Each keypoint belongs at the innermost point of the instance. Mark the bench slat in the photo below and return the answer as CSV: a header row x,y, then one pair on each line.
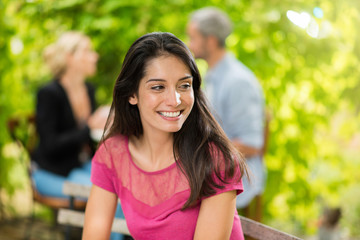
x,y
76,219
71,217
260,231
76,190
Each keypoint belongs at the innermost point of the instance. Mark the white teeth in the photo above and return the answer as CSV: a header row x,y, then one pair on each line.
x,y
170,114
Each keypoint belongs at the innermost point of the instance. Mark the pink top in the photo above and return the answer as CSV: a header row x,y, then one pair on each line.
x,y
151,201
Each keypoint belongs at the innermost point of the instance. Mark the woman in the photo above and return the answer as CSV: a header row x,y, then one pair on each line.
x,y
65,114
164,155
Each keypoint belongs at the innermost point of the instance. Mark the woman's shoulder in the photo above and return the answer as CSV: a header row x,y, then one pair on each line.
x,y
215,152
112,147
116,139
222,158
114,143
52,88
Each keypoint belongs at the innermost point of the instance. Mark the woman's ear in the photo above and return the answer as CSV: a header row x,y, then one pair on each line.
x,y
133,100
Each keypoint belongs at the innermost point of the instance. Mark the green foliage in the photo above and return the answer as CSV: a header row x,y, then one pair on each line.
x,y
311,85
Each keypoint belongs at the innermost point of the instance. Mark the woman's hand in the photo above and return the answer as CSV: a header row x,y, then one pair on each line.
x,y
98,119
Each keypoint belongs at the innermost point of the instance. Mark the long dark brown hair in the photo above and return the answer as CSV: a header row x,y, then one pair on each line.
x,y
199,142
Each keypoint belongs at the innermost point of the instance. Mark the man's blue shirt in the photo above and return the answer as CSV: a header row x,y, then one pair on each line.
x,y
238,104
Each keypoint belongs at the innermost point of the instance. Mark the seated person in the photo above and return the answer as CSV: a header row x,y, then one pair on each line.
x,y
65,113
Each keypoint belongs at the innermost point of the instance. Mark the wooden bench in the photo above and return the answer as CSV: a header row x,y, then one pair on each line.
x,y
75,218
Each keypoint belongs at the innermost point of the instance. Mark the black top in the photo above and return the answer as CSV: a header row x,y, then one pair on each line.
x,y
61,138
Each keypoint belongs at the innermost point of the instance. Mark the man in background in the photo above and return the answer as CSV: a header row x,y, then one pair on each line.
x,y
234,93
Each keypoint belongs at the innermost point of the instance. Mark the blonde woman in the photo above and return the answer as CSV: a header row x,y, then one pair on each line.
x,y
65,114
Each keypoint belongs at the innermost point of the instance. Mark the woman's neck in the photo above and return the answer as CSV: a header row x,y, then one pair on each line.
x,y
155,151
72,80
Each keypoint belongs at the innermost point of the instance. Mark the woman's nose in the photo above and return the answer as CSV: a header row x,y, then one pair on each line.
x,y
173,98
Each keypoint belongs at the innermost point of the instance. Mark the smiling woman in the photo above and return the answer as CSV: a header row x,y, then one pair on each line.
x,y
164,155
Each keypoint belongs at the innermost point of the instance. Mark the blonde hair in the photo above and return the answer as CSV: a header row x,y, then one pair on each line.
x,y
55,54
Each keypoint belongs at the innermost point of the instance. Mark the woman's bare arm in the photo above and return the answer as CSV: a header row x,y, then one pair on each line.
x,y
99,214
216,217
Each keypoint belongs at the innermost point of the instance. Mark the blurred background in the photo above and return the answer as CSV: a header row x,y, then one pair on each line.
x,y
306,55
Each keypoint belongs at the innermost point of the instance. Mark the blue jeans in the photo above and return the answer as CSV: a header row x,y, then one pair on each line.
x,y
50,184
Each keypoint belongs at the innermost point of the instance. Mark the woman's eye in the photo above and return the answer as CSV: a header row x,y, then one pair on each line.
x,y
185,86
157,87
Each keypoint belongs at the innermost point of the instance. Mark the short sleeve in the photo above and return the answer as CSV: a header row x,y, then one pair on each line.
x,y
102,170
234,183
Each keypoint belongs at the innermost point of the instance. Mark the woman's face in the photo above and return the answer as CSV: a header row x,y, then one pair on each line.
x,y
165,95
84,59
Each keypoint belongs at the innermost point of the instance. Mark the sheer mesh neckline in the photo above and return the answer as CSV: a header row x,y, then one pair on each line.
x,y
142,170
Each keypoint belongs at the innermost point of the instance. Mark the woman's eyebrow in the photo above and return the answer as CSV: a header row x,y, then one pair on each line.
x,y
155,80
163,80
186,77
